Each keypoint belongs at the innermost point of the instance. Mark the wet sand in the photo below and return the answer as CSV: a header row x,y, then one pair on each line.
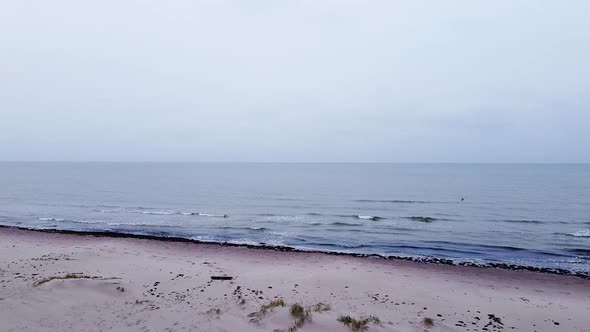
x,y
65,282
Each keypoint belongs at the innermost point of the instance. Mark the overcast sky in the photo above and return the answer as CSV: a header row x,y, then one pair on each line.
x,y
307,80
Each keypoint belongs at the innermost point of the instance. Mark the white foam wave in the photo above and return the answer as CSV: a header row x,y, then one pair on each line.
x,y
167,213
84,222
205,238
584,233
244,242
128,224
139,224
374,218
124,224
81,221
51,219
110,211
160,213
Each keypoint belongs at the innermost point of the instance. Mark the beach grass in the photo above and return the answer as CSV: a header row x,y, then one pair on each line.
x,y
428,322
301,316
360,324
273,304
320,307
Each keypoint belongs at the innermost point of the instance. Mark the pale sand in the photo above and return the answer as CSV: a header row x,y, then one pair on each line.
x,y
167,287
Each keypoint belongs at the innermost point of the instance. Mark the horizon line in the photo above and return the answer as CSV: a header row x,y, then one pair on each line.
x,y
280,162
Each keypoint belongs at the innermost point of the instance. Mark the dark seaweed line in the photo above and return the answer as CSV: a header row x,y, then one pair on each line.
x,y
427,260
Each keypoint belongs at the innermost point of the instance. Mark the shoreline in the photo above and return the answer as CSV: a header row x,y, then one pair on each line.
x,y
52,281
281,248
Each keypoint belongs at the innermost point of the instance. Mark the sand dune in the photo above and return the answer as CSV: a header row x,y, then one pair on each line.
x,y
58,282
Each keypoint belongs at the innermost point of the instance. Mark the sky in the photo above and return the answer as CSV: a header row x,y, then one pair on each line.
x,y
301,80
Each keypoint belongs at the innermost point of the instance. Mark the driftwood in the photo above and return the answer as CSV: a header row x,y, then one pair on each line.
x,y
221,278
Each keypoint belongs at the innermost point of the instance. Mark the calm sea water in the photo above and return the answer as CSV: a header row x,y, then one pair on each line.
x,y
535,215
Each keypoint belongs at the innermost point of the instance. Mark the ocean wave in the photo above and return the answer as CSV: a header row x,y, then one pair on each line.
x,y
109,206
142,225
245,242
282,217
145,208
254,229
436,249
77,221
336,245
583,233
374,218
168,213
212,215
127,224
51,219
422,219
290,199
340,223
521,221
85,222
450,244
110,211
206,238
395,201
160,213
580,251
397,228
139,210
203,214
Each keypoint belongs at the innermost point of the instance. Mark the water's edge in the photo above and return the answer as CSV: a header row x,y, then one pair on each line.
x,y
281,248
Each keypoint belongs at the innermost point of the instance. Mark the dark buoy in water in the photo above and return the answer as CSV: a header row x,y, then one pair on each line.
x,y
462,199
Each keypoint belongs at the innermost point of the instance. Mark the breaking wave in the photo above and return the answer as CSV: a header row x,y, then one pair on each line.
x,y
374,218
51,219
77,221
147,211
422,219
253,229
159,213
584,233
395,201
141,225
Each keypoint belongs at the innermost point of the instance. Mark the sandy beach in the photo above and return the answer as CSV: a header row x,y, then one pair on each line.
x,y
64,282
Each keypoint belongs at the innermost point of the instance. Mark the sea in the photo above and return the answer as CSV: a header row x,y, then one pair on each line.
x,y
534,215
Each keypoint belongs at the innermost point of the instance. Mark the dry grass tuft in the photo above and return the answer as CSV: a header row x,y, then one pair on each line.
x,y
320,307
361,324
297,310
214,311
301,315
428,322
273,304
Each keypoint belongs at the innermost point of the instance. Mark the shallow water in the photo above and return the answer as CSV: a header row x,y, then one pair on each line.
x,y
536,215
